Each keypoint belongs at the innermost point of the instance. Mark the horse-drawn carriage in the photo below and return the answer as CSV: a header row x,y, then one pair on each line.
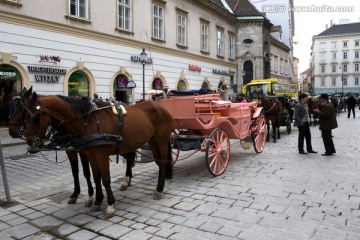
x,y
207,123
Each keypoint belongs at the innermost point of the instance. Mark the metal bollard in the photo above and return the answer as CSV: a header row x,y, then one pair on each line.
x,y
3,171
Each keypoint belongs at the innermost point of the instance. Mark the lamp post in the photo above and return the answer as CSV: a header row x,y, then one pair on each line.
x,y
143,60
342,80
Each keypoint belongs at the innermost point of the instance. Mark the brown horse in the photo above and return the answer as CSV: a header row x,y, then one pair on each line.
x,y
273,111
312,104
17,130
96,133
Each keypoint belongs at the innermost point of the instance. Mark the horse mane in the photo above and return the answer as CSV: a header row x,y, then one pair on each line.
x,y
81,105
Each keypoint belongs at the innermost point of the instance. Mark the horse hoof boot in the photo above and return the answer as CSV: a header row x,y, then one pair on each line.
x,y
125,184
95,208
157,195
89,202
109,211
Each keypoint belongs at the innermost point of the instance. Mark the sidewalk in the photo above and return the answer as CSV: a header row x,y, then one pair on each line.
x,y
278,194
6,140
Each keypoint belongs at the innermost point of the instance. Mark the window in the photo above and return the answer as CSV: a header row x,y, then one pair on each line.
x,y
323,82
125,14
344,44
345,55
345,68
79,8
220,42
345,81
231,47
322,57
356,81
356,43
158,22
78,85
334,56
333,68
333,81
276,63
322,69
333,45
281,65
322,46
204,37
356,67
272,62
181,29
286,68
357,54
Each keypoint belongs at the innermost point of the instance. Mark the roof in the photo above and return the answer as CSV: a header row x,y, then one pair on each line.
x,y
342,29
242,8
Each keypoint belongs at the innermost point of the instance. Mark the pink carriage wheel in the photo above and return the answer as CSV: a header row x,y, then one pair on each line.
x,y
217,152
259,135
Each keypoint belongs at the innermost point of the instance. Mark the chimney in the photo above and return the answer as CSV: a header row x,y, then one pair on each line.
x,y
331,22
326,26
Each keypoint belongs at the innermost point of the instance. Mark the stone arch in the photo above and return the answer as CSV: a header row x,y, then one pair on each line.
x,y
183,81
206,80
158,75
6,59
121,71
87,72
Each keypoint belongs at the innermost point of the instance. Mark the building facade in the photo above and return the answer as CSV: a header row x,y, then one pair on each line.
x,y
335,58
79,47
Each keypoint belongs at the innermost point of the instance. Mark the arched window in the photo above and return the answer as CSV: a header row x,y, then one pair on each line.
x,y
121,81
78,85
157,84
248,68
181,85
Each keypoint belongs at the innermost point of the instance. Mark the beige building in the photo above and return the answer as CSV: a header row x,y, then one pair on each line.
x,y
79,47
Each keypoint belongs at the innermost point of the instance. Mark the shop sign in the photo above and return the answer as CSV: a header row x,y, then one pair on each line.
x,y
46,77
50,59
194,68
221,72
131,84
136,58
7,74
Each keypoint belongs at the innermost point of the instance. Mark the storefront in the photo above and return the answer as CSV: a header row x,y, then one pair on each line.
x,y
10,85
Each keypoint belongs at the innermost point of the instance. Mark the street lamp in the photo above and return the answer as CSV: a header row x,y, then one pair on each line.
x,y
342,80
143,60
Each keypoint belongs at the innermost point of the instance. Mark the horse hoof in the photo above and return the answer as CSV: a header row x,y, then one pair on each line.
x,y
157,195
95,208
72,200
274,141
109,211
123,187
89,202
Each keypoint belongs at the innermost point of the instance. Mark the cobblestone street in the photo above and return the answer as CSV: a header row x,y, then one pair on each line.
x,y
278,194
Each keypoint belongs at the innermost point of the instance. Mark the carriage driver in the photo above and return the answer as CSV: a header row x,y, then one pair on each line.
x,y
302,122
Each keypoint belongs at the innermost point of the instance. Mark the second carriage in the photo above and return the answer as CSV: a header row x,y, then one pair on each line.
x,y
207,123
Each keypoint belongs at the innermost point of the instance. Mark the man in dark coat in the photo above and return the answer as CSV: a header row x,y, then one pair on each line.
x,y
351,103
302,122
327,117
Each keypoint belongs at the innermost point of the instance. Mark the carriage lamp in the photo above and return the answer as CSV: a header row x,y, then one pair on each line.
x,y
143,60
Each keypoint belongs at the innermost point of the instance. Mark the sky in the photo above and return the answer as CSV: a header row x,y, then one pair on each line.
x,y
310,23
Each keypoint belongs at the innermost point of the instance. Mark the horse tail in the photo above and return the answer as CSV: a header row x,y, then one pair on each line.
x,y
169,166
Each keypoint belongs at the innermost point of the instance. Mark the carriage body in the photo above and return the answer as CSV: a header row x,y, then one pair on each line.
x,y
207,123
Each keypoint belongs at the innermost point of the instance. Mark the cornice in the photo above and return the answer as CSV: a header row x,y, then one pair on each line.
x,y
215,9
41,24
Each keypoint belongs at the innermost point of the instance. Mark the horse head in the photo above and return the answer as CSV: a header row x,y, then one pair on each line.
x,y
17,109
37,122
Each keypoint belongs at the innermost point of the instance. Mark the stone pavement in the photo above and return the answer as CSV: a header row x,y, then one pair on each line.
x,y
278,194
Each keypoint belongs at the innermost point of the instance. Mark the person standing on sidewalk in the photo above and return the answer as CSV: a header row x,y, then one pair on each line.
x,y
302,123
351,103
328,122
